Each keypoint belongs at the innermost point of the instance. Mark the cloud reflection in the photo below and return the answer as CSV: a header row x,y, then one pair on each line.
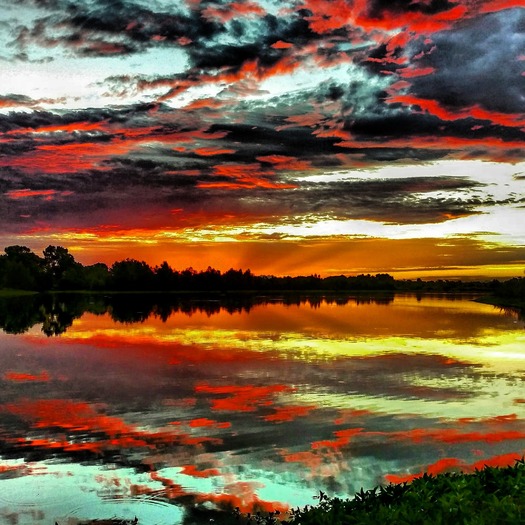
x,y
259,408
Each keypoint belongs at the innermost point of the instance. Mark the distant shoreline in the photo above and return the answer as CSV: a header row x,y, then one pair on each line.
x,y
218,294
23,272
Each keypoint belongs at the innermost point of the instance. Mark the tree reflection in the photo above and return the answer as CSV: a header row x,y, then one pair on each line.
x,y
58,315
55,312
19,314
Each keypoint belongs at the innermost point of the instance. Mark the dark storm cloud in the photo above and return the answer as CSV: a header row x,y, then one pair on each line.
x,y
402,200
477,63
149,185
382,8
410,124
21,120
102,196
248,42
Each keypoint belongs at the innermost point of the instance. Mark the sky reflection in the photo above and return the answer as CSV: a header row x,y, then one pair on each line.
x,y
255,409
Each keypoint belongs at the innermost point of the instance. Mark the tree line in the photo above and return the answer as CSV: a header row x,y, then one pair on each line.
x,y
57,269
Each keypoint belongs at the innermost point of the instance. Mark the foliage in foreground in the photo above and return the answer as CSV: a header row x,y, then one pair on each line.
x,y
491,496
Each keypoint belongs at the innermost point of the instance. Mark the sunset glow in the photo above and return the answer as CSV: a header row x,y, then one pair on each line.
x,y
328,137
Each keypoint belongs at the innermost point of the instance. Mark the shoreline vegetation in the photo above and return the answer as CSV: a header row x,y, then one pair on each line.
x,y
487,496
24,272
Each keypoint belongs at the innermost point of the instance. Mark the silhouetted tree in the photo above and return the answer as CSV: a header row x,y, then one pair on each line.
x,y
131,274
61,267
20,268
96,276
165,278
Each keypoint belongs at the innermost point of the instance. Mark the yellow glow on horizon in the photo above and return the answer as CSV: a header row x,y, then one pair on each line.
x,y
427,258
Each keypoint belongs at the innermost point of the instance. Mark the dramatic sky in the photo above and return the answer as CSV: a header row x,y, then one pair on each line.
x,y
285,136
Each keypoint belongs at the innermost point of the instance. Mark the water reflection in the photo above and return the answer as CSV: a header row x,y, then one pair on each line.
x,y
56,312
163,409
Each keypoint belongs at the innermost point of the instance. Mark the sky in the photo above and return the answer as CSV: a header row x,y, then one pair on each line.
x,y
285,136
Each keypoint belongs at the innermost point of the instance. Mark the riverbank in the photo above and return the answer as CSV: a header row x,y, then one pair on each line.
x,y
503,302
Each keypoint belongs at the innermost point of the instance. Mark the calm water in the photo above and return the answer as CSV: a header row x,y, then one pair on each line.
x,y
147,410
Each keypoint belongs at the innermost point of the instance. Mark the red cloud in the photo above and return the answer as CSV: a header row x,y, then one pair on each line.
x,y
448,464
20,377
65,128
416,72
328,15
343,439
282,45
209,152
288,413
412,21
205,103
74,416
245,176
489,6
46,194
435,108
191,470
440,466
77,156
205,422
283,162
242,398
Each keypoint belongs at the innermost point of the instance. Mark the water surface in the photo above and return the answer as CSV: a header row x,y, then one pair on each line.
x,y
151,408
